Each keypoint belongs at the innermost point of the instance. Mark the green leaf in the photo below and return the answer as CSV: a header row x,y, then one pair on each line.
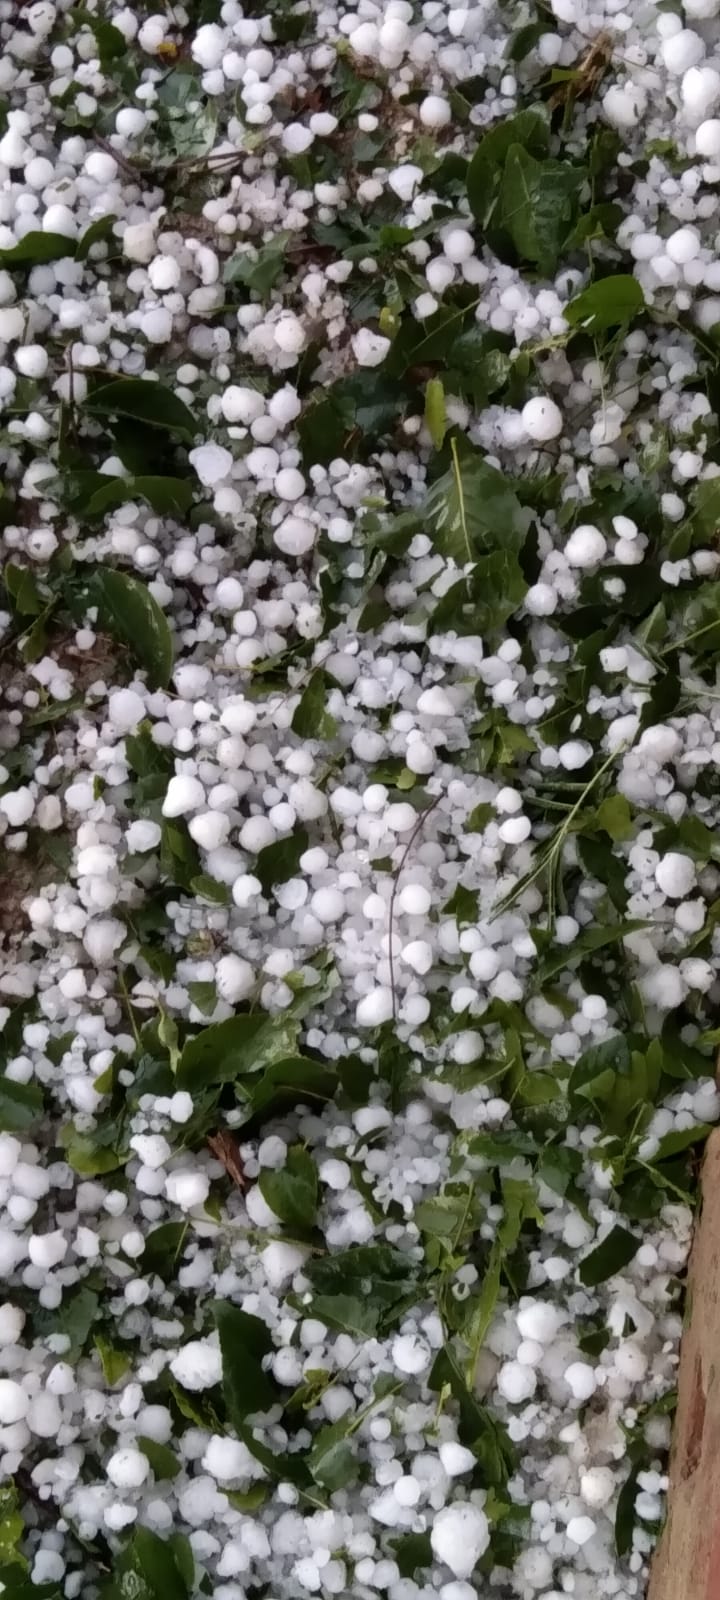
x,y
101,229
277,862
37,248
22,588
537,205
614,816
12,1527
233,1049
148,1569
131,614
473,510
608,303
244,1341
609,1257
310,719
679,1139
163,1461
482,601
435,414
210,889
163,1248
413,1553
364,1290
625,1511
145,401
292,1191
291,1081
20,1105
115,1363
478,1429
528,129
259,270
88,1157
111,43
74,1318
169,497
204,996
332,1460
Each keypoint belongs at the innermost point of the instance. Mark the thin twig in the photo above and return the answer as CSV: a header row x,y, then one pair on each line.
x,y
419,825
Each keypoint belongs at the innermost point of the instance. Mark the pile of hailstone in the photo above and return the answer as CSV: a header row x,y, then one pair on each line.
x,y
358,798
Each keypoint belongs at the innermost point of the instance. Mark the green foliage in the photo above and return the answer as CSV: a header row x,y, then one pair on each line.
x,y
244,1342
364,1290
612,302
150,403
151,1568
292,1191
537,206
132,615
614,1253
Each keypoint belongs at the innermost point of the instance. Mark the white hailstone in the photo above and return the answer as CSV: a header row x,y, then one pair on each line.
x,y
435,111
212,463
597,1486
138,242
538,1320
411,1355
374,1008
516,1382
682,50
240,404
187,1189
289,331
580,1530
234,978
18,806
184,794
707,138
284,406
209,45
404,180
515,830
336,1174
574,754
369,348
143,835
258,1210
295,536
328,905
631,1361
459,1536
541,600
47,1250
414,900
102,937
198,1365
12,1322
31,360
542,419
281,1261
675,874
458,245
209,829
585,547
153,1150
663,986
624,106
227,1460
456,1458
296,138
435,703
418,955
126,709
289,484
14,1402
683,245
128,1468
580,1379
700,92
44,1416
